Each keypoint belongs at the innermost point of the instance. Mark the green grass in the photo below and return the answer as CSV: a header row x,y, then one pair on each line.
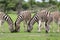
x,y
34,35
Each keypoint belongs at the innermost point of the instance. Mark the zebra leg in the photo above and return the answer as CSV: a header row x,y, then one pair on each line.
x,y
1,25
58,26
39,26
47,27
43,25
53,26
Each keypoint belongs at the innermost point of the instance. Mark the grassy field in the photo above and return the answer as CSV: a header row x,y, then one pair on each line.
x,y
34,35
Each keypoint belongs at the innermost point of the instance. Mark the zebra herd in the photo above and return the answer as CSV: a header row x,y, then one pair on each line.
x,y
39,17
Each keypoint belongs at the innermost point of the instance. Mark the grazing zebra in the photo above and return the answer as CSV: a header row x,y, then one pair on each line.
x,y
56,18
41,16
5,17
23,16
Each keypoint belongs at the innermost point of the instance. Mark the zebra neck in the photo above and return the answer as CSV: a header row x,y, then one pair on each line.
x,y
8,19
32,21
19,19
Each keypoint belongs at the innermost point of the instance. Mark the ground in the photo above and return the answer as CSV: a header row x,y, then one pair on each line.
x,y
33,35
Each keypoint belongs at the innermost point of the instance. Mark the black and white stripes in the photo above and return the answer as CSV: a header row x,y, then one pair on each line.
x,y
5,17
39,17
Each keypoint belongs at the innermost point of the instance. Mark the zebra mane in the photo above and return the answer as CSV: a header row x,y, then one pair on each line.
x,y
10,17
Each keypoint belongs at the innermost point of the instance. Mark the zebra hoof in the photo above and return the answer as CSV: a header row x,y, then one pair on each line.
x,y
16,31
28,31
46,31
12,31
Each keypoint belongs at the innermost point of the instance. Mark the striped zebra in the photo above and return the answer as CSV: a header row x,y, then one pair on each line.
x,y
41,16
56,18
5,17
23,16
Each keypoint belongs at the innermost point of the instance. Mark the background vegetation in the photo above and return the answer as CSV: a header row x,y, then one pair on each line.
x,y
14,5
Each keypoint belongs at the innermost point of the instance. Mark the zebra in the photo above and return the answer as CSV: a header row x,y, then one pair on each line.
x,y
23,16
41,16
5,17
56,18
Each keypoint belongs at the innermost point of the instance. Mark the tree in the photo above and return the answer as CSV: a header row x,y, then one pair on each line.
x,y
43,1
19,6
2,5
31,3
25,5
53,2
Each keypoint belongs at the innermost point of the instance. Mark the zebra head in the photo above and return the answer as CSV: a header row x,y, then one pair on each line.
x,y
7,18
29,28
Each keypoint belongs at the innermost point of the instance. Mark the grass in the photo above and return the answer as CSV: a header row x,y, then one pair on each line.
x,y
34,35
